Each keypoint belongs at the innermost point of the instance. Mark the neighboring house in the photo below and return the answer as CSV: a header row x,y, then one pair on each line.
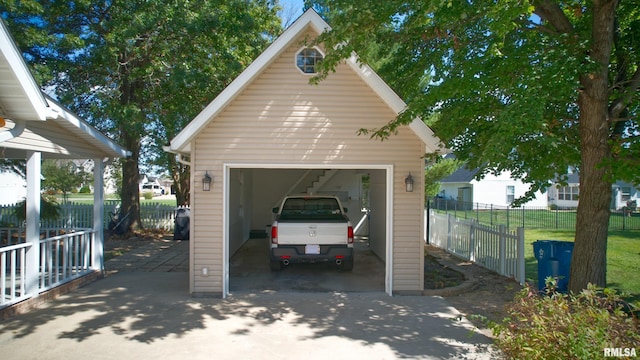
x,y
500,190
625,195
84,165
567,196
271,133
110,181
13,188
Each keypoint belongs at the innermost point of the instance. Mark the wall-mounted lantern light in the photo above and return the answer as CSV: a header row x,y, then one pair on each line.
x,y
206,182
408,183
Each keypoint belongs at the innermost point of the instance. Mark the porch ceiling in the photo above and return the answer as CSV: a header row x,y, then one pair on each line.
x,y
31,121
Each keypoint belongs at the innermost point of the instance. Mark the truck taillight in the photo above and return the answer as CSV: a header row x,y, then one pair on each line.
x,y
274,234
350,234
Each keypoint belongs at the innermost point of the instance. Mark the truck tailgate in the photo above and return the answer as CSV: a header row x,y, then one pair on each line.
x,y
321,233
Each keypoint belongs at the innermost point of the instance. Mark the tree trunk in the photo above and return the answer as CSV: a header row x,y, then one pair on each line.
x,y
589,262
130,182
180,175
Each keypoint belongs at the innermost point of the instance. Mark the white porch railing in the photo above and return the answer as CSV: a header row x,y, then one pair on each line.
x,y
12,274
492,247
14,235
63,258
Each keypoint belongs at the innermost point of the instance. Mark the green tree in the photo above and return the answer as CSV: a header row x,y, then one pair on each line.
x,y
137,68
62,176
49,209
530,87
439,169
18,167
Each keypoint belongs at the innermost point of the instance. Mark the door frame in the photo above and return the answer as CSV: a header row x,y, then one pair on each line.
x,y
389,169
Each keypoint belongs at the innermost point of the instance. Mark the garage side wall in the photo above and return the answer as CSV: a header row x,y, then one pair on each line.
x,y
281,119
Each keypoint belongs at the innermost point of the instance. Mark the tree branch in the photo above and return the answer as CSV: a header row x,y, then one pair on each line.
x,y
620,103
552,13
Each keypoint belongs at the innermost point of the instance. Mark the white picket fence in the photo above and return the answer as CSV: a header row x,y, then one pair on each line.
x,y
492,247
80,216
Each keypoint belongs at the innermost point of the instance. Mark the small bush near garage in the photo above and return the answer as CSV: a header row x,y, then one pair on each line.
x,y
148,195
568,326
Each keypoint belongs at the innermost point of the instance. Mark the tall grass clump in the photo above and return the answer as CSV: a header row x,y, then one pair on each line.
x,y
554,325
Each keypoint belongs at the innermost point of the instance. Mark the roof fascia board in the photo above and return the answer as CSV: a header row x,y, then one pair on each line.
x,y
392,100
103,142
309,18
19,67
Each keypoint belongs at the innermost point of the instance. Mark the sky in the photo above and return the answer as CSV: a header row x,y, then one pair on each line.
x,y
292,9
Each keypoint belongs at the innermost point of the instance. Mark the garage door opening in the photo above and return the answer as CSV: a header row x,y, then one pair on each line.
x,y
252,193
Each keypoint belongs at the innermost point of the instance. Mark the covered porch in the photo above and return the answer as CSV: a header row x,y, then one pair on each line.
x,y
33,127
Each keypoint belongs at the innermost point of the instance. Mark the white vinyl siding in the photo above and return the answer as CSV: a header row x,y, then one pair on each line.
x,y
281,119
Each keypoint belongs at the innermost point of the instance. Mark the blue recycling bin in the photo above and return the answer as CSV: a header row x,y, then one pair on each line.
x,y
554,260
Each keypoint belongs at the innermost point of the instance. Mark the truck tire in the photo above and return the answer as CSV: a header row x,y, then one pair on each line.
x,y
347,265
276,265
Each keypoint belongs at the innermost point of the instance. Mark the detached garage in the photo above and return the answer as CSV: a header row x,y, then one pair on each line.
x,y
271,133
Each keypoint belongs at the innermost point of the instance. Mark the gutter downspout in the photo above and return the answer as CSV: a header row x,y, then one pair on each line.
x,y
20,125
15,132
179,157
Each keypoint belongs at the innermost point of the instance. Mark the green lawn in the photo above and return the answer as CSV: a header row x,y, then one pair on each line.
x,y
623,257
541,218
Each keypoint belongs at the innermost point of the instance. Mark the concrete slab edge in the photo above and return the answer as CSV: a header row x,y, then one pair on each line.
x,y
37,301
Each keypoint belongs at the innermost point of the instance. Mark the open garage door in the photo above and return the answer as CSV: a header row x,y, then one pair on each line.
x,y
252,192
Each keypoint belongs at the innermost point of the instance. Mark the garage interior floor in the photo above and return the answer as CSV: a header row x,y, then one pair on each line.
x,y
249,272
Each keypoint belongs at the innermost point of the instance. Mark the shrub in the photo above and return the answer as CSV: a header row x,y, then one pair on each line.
x,y
148,195
85,190
566,326
49,209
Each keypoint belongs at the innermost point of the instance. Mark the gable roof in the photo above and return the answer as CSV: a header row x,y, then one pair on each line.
x,y
32,121
181,143
20,96
462,175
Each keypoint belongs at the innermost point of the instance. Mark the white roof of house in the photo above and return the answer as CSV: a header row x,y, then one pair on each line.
x,y
181,143
32,121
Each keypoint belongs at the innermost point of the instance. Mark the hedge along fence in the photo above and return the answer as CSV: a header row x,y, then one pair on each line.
x,y
530,217
79,215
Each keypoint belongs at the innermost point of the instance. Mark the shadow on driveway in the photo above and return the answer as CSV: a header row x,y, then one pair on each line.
x,y
151,315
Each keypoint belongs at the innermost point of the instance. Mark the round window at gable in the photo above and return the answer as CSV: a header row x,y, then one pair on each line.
x,y
307,59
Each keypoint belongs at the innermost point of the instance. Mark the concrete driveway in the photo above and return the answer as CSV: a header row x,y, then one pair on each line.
x,y
140,314
249,271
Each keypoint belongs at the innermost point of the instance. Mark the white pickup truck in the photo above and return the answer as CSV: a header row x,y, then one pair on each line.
x,y
311,229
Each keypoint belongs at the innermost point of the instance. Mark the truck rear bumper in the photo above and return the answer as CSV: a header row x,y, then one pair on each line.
x,y
298,254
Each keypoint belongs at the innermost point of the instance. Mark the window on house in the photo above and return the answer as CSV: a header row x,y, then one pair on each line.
x,y
568,193
625,193
511,193
307,60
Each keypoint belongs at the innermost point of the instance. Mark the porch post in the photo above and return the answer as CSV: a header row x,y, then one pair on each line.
x,y
32,229
98,215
